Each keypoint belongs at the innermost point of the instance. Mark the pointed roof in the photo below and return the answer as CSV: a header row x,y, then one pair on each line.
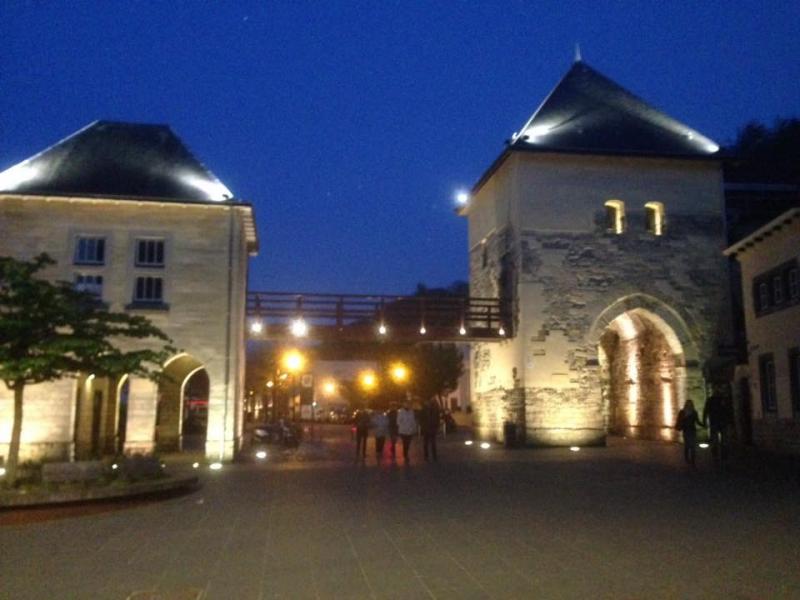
x,y
588,113
114,159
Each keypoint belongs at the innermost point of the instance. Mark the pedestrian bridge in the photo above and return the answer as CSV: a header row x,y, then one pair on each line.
x,y
356,317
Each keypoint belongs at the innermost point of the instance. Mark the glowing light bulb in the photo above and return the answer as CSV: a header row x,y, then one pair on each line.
x,y
215,466
382,329
462,331
257,327
501,331
468,443
485,445
422,330
299,327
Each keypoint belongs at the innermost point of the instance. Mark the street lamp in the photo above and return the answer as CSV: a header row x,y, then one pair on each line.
x,y
293,361
399,372
368,380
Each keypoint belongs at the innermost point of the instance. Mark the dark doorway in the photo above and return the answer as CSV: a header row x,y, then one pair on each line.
x,y
195,410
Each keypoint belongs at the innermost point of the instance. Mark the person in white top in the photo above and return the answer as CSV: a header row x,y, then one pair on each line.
x,y
406,427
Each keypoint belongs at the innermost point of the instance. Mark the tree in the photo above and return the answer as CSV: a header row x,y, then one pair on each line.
x,y
435,370
52,330
766,155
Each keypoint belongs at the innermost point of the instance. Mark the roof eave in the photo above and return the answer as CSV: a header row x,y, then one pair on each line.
x,y
763,232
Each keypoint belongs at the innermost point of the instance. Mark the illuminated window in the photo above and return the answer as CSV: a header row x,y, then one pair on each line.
x,y
150,253
90,251
615,216
148,289
654,215
92,284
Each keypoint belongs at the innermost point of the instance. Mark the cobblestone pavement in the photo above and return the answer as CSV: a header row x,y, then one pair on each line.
x,y
627,521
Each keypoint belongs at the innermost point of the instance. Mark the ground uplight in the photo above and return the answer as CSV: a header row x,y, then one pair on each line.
x,y
575,448
485,445
261,454
215,466
468,443
703,445
195,465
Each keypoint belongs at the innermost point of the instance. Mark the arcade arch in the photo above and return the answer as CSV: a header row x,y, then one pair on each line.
x,y
182,411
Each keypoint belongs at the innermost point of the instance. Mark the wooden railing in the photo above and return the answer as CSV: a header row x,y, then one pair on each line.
x,y
362,317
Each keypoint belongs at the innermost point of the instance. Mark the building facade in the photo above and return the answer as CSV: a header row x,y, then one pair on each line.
x,y
601,224
770,385
129,214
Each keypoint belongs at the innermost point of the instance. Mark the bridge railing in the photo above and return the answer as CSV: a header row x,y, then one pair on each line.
x,y
362,316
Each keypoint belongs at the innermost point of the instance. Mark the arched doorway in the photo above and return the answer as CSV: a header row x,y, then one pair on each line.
x,y
182,412
648,366
643,376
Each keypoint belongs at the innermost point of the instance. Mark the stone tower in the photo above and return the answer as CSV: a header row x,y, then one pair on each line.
x,y
601,224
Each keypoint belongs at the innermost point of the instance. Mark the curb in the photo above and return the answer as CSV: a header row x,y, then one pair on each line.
x,y
139,488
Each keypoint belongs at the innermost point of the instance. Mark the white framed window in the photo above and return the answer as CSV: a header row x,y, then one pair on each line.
x,y
92,284
150,253
777,289
90,250
148,289
615,216
794,284
654,217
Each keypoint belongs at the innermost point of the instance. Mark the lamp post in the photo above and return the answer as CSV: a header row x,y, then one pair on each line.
x,y
293,361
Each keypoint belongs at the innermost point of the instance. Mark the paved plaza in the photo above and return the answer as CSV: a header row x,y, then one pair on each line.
x,y
627,521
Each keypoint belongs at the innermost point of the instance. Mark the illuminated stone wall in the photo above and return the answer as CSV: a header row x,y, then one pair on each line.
x,y
573,278
196,289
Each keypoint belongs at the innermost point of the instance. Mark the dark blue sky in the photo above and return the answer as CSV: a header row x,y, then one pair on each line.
x,y
349,125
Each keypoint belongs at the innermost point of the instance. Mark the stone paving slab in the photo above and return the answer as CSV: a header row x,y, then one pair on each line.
x,y
628,521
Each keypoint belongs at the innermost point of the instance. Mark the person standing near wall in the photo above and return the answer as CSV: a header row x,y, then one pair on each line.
x,y
406,427
430,420
687,423
718,416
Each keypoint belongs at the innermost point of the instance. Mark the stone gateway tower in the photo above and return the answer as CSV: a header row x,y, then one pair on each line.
x,y
601,224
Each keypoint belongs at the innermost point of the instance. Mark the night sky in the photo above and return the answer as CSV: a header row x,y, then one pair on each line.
x,y
350,125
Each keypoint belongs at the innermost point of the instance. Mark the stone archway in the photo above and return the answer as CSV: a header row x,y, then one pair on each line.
x,y
174,414
645,354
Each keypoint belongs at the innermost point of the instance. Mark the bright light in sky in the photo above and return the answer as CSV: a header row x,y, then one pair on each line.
x,y
462,197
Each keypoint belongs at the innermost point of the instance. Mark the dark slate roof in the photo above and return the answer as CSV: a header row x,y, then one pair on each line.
x,y
588,113
113,159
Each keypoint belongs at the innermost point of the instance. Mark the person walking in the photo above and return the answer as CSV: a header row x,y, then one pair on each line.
x,y
362,422
430,420
392,417
406,427
687,423
717,416
380,428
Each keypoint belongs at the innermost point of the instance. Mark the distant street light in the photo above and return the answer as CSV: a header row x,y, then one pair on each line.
x,y
329,387
257,326
368,380
293,361
399,372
